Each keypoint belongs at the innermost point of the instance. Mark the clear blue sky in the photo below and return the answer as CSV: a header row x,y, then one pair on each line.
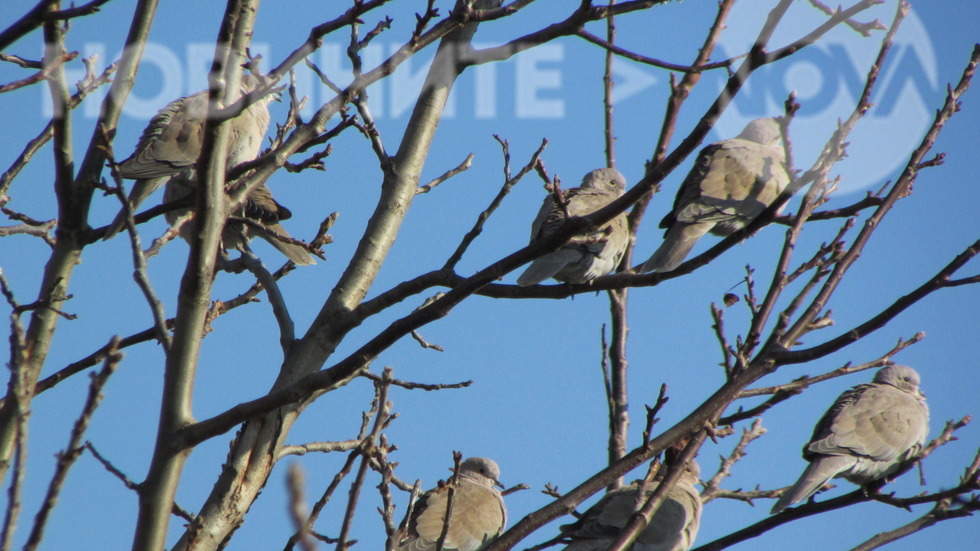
x,y
537,404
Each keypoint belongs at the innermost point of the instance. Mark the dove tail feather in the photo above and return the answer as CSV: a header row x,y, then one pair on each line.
x,y
117,225
547,266
678,242
294,252
142,189
817,473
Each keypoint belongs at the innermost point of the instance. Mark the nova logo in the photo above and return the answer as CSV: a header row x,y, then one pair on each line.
x,y
829,78
820,76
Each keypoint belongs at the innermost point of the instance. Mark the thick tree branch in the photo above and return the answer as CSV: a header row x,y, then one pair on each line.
x,y
160,486
308,354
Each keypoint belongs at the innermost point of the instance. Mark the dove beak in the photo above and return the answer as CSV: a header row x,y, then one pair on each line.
x,y
499,484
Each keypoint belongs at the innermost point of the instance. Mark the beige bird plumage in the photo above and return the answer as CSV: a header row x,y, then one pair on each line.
x,y
588,256
478,515
170,145
732,182
869,432
672,528
259,206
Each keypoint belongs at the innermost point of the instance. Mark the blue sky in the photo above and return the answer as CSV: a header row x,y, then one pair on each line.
x,y
537,404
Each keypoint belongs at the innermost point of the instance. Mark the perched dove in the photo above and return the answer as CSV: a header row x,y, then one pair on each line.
x,y
587,256
259,207
731,183
866,435
171,144
672,528
478,514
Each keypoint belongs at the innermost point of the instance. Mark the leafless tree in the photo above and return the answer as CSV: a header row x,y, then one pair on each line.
x,y
794,301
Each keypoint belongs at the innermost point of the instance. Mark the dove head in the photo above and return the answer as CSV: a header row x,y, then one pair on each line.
x,y
764,131
606,179
692,471
482,470
901,377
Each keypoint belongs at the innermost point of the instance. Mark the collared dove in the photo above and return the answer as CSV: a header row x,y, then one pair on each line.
x,y
866,435
672,528
587,256
731,183
478,515
171,144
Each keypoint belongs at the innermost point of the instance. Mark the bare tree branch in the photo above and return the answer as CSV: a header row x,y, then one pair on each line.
x,y
40,75
66,459
712,487
73,195
795,303
465,165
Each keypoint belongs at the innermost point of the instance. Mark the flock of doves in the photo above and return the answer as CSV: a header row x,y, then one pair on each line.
x,y
868,433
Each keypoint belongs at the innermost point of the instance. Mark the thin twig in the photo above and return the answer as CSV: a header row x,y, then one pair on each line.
x,y
633,56
85,87
718,326
382,408
140,273
19,387
67,457
21,62
617,392
804,382
387,509
942,511
509,182
178,511
898,191
651,416
318,447
450,501
420,386
712,486
864,29
424,343
40,75
250,262
43,231
325,498
99,355
295,484
465,165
